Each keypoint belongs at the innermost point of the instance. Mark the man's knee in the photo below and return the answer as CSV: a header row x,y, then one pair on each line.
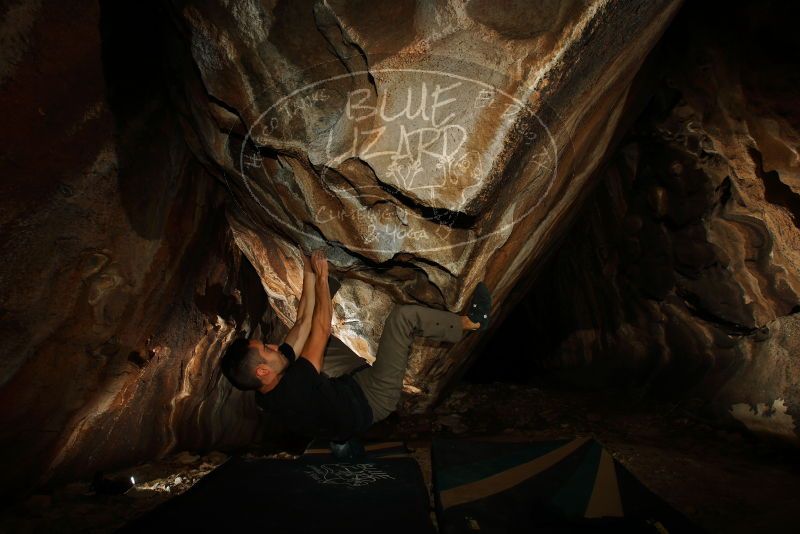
x,y
402,311
401,314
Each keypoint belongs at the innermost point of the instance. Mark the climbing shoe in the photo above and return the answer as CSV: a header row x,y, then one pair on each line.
x,y
480,307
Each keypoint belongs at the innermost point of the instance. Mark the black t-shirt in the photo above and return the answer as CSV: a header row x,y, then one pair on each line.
x,y
313,404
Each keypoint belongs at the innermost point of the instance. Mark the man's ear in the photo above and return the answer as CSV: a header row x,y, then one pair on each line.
x,y
263,370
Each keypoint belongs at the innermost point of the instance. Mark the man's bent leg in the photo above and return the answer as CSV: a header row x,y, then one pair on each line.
x,y
339,359
383,382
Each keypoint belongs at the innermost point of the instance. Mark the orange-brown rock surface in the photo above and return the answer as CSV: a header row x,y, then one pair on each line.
x,y
120,281
165,164
682,276
427,145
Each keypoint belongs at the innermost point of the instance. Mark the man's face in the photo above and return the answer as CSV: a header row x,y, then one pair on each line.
x,y
274,362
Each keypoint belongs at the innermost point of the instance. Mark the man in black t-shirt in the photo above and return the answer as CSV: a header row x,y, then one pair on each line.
x,y
308,400
312,404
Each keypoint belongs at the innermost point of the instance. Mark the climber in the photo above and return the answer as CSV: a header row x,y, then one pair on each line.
x,y
304,396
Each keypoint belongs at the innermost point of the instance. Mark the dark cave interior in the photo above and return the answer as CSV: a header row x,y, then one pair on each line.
x,y
649,298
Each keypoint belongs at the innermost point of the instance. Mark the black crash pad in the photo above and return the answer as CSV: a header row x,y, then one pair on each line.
x,y
310,494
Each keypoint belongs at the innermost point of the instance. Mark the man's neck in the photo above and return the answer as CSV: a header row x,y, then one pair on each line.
x,y
266,388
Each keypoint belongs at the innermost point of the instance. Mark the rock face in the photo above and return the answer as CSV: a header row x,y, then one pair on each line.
x,y
151,191
682,276
428,145
159,187
120,281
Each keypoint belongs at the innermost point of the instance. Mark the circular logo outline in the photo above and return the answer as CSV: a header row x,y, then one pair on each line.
x,y
250,138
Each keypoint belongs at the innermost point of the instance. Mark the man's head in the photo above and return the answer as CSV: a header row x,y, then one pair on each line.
x,y
250,364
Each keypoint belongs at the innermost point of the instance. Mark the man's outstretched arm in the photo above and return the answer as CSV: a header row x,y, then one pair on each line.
x,y
299,332
314,350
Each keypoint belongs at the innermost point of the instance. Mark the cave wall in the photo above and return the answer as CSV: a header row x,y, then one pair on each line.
x,y
681,277
426,145
152,210
120,281
144,221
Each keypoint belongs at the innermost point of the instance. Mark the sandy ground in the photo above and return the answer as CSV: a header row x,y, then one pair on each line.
x,y
723,481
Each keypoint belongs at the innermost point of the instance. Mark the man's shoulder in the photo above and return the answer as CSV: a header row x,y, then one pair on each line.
x,y
288,351
300,372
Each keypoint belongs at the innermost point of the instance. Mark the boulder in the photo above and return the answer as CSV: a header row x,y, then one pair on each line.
x,y
425,146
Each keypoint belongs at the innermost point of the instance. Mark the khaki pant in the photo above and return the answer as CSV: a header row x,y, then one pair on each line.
x,y
382,382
